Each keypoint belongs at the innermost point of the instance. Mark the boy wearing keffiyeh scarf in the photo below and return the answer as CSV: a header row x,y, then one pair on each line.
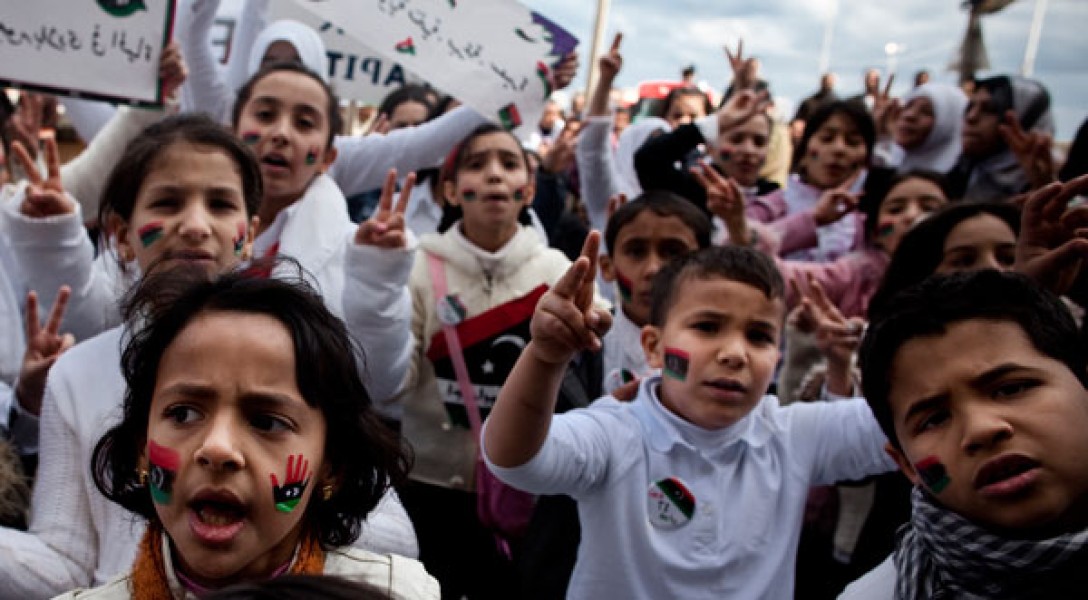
x,y
980,382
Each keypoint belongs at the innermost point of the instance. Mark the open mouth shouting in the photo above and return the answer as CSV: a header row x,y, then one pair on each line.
x,y
216,516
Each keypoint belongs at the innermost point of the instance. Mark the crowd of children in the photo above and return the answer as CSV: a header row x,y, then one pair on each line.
x,y
274,352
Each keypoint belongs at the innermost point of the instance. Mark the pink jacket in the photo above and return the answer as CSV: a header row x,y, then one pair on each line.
x,y
850,281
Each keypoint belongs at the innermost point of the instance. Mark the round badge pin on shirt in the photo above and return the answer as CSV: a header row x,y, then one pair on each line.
x,y
450,310
670,503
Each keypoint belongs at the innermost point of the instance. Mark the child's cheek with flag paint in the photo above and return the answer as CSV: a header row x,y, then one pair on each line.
x,y
163,470
677,362
933,474
150,233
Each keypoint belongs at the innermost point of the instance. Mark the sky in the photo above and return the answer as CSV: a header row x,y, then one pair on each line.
x,y
787,36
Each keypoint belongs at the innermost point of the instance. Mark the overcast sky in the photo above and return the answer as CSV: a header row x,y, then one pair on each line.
x,y
787,35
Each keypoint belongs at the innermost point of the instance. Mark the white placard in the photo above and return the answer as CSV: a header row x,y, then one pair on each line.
x,y
356,72
494,55
106,49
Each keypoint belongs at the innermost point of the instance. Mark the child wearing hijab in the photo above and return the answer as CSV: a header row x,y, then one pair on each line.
x,y
928,132
988,168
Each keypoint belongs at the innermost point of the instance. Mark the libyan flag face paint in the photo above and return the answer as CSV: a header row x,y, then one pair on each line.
x,y
625,286
287,496
676,363
150,233
164,469
933,474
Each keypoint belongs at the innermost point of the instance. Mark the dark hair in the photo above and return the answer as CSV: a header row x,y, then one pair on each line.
x,y
455,160
662,204
735,263
680,92
929,308
921,250
1003,99
850,110
332,107
879,182
127,177
300,587
365,459
409,92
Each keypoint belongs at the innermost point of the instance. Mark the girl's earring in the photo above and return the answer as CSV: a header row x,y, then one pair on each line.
x,y
141,476
326,491
126,254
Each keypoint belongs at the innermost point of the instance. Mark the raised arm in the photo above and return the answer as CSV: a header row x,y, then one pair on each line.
x,y
565,322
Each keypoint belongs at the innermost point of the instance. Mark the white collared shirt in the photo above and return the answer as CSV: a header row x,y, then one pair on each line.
x,y
749,482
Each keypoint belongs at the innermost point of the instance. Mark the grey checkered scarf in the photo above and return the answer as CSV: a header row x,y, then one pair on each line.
x,y
940,554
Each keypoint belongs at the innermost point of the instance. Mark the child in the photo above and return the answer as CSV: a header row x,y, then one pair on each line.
x,y
696,488
642,237
184,192
992,437
250,455
496,270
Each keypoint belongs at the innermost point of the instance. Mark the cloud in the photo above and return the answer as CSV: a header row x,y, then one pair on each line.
x,y
660,38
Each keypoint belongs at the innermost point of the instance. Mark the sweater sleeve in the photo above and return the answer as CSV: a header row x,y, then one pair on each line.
x,y
55,251
797,231
84,177
837,441
656,163
362,162
209,91
596,169
59,551
378,311
837,278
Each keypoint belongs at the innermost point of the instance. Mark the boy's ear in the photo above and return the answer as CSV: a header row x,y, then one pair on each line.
x,y
653,346
904,464
449,192
608,270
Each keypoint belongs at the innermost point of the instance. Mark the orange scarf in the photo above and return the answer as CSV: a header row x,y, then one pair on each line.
x,y
149,582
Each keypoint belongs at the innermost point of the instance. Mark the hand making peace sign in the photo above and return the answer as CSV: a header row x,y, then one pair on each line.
x,y
385,229
44,197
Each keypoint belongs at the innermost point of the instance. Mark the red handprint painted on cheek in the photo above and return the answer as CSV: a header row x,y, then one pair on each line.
x,y
287,496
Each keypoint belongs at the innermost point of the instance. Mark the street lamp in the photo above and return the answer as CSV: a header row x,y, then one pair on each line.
x,y
891,51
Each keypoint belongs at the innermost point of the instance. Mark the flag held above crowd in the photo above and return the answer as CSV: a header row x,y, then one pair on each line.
x,y
107,49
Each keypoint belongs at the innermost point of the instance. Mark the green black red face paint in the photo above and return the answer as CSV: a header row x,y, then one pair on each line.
x,y
164,469
287,496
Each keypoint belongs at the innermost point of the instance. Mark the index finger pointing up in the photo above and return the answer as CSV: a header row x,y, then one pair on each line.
x,y
405,194
27,163
616,42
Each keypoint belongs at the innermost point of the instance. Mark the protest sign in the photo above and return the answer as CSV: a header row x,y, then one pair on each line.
x,y
356,71
496,56
106,49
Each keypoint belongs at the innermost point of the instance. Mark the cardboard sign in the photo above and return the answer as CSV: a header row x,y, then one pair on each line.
x,y
496,56
106,49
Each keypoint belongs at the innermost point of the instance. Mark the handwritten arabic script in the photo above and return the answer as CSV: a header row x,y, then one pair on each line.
x,y
48,38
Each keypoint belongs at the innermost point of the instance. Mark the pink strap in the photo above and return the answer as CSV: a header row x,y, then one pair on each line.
x,y
468,394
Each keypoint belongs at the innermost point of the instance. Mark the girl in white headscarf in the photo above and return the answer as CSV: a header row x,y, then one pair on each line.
x,y
930,128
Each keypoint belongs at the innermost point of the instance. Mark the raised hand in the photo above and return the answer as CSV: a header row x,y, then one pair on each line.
x,y
743,71
565,321
560,157
614,204
564,72
724,199
886,109
611,62
385,228
44,197
741,107
1053,238
43,347
172,69
25,124
837,202
836,336
1032,150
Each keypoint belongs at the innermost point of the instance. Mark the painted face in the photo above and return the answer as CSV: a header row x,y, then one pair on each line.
x,y
190,207
286,123
980,135
685,109
915,123
749,141
725,334
407,114
245,444
1005,422
834,152
491,186
980,242
643,246
902,207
